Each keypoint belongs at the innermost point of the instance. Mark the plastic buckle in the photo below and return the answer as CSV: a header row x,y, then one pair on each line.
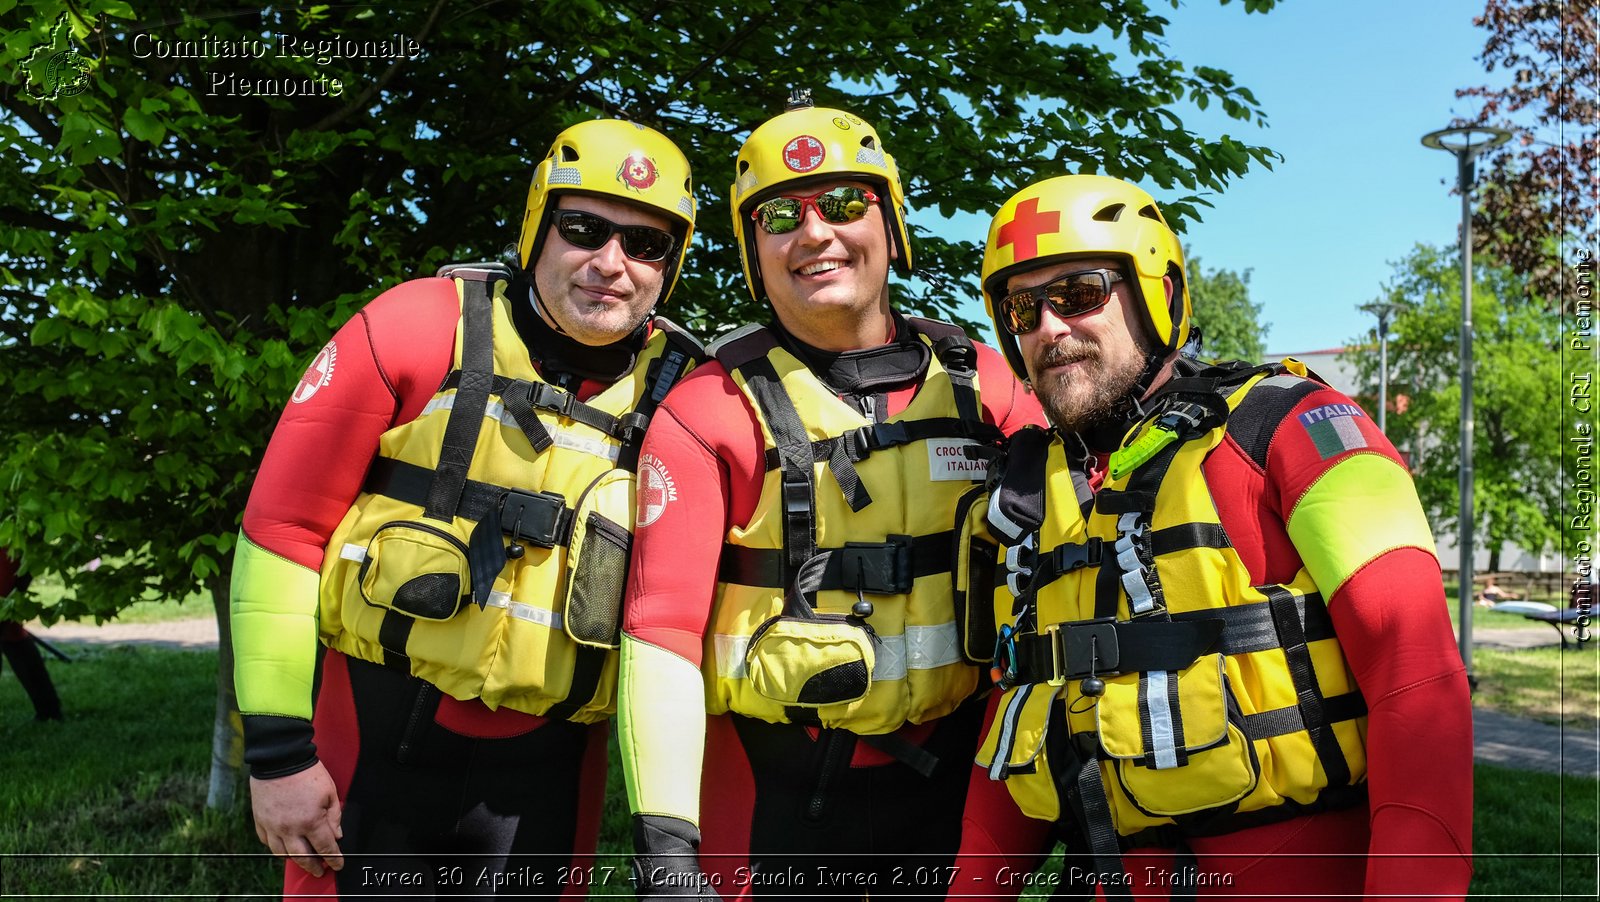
x,y
1003,665
888,435
535,517
548,397
632,425
1092,644
1075,556
879,568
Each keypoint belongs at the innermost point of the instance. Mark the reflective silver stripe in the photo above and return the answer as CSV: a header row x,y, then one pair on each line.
x,y
1008,732
730,652
350,552
998,518
1161,738
928,647
564,438
535,615
890,663
1017,576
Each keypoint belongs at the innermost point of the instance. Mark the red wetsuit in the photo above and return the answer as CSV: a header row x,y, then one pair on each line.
x,y
463,778
1392,623
707,439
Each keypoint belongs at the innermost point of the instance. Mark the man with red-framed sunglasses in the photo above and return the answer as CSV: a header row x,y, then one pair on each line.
x,y
798,713
1220,631
428,583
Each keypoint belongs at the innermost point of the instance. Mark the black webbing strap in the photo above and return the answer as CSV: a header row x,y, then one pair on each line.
x,y
921,556
682,352
1250,627
447,482
844,473
480,501
1087,796
1291,635
1065,650
1283,721
799,492
473,384
862,441
518,399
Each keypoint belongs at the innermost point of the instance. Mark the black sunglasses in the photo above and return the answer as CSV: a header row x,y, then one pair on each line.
x,y
646,244
836,205
1074,294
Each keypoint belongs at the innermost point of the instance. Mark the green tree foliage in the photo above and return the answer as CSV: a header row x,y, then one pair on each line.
x,y
1229,321
1540,185
182,235
1517,452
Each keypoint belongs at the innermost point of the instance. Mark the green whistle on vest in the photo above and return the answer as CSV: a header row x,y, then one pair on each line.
x,y
1126,460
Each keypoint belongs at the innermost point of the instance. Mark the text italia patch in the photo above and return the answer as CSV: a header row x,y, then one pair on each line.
x,y
1333,428
655,489
948,461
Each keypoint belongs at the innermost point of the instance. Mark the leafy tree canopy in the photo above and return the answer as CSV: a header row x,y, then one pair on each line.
x,y
1229,321
182,236
1541,185
1518,452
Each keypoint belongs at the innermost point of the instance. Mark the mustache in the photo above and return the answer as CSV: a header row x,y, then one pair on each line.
x,y
1066,351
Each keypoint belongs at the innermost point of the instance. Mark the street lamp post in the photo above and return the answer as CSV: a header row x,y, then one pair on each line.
x,y
1382,310
1466,143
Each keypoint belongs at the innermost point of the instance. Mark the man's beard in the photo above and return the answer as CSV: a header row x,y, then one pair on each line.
x,y
1098,395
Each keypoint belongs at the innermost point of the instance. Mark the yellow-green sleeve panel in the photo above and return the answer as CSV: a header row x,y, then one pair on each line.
x,y
661,727
1363,506
274,622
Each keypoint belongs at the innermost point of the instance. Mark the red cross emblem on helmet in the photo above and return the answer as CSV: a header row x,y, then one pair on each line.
x,y
803,154
637,172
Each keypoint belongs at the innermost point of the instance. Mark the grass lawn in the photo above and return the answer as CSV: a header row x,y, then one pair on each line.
x,y
111,802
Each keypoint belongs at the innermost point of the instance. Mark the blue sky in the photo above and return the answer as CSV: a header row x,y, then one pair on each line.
x,y
1348,89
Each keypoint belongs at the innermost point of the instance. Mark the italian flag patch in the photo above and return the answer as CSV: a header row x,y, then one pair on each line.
x,y
1333,429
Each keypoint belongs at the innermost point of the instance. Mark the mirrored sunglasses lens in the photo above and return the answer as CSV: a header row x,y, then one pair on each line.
x,y
645,244
779,215
1020,313
583,229
1077,296
842,205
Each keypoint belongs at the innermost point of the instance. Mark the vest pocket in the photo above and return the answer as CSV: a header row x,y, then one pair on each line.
x,y
973,578
811,662
416,568
597,558
1175,739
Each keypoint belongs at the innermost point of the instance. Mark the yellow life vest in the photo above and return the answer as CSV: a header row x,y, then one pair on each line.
x,y
418,575
834,604
1145,676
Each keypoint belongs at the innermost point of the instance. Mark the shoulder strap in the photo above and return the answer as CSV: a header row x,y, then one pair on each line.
x,y
959,359
745,352
682,353
472,399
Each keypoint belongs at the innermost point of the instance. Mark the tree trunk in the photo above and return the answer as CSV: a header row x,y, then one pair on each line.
x,y
1494,558
227,731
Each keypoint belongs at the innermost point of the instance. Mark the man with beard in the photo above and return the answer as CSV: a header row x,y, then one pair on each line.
x,y
446,505
1222,638
790,608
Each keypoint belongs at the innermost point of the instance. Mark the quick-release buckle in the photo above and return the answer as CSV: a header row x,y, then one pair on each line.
x,y
549,397
533,517
1082,648
878,568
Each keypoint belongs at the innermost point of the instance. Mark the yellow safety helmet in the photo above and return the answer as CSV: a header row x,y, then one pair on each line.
x,y
618,159
799,146
1084,216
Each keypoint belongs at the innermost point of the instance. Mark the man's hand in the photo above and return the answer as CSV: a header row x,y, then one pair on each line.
x,y
297,817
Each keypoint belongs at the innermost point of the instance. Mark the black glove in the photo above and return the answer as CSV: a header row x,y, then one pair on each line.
x,y
666,860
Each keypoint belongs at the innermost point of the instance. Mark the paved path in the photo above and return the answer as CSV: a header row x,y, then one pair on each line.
x,y
1498,738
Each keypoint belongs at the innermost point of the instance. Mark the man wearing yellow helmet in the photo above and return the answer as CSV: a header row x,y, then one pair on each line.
x,y
792,576
1222,634
446,506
